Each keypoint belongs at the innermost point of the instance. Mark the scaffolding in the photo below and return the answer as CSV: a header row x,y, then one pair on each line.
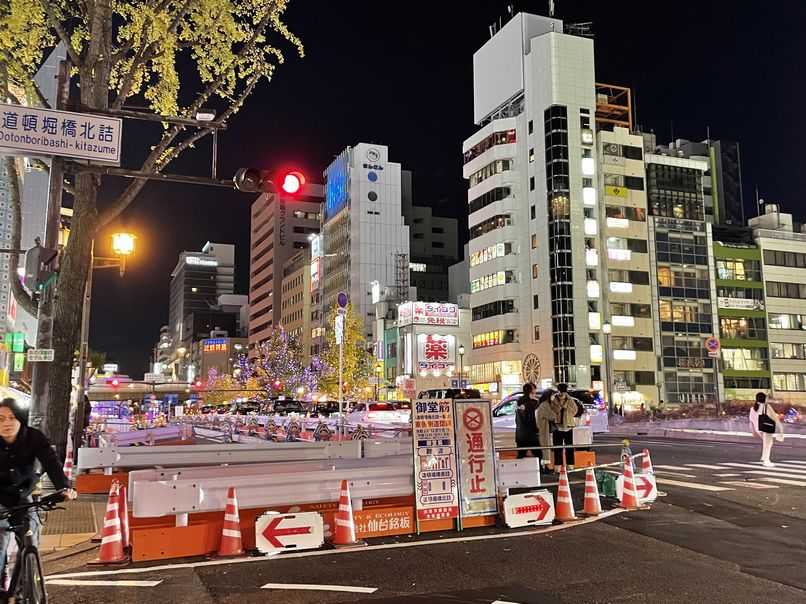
x,y
613,107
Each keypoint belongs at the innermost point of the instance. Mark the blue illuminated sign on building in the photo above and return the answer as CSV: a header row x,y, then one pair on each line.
x,y
337,184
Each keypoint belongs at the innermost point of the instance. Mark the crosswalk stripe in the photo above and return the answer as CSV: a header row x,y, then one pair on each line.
x,y
759,466
748,484
672,468
797,462
772,472
704,465
794,483
678,474
691,485
731,475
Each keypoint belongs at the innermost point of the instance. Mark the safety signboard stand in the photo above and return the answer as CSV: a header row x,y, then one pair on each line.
x,y
529,509
645,488
276,532
475,451
434,450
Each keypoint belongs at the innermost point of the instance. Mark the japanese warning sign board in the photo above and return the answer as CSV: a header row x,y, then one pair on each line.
x,y
34,131
435,495
476,453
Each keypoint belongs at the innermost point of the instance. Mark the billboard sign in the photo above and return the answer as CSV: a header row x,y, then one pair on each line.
x,y
427,313
435,351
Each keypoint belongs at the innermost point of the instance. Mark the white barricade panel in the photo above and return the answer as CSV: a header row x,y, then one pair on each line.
x,y
518,473
281,532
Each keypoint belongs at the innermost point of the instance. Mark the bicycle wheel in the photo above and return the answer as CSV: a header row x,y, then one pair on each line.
x,y
31,588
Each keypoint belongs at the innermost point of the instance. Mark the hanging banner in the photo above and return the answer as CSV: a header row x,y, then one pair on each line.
x,y
435,494
475,448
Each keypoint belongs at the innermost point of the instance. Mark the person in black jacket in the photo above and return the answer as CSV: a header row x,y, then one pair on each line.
x,y
20,448
526,423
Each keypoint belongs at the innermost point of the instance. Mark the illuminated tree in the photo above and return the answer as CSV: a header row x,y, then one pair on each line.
x,y
224,388
357,362
130,52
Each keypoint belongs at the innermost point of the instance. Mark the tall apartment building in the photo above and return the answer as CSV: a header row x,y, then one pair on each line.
x,y
280,226
364,236
296,300
433,247
626,262
531,168
783,248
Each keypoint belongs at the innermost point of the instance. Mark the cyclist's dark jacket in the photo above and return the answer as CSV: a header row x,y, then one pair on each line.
x,y
17,476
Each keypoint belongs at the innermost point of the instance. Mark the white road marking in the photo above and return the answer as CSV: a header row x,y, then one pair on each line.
x,y
691,485
794,483
678,474
727,475
503,602
778,475
314,587
704,466
797,462
86,583
331,552
748,484
778,467
681,468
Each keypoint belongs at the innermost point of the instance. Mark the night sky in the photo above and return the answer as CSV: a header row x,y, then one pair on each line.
x,y
404,79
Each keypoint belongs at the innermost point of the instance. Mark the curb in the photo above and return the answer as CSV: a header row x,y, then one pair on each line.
x,y
704,436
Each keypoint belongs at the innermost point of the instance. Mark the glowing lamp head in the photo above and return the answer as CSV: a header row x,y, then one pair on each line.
x,y
292,182
123,244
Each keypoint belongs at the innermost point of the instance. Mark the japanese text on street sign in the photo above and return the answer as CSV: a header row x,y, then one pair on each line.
x,y
475,450
34,131
435,494
43,355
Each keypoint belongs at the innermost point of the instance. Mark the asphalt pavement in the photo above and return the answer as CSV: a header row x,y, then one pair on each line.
x,y
725,530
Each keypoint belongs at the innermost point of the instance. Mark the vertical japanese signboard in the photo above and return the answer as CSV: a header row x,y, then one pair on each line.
x,y
475,448
435,494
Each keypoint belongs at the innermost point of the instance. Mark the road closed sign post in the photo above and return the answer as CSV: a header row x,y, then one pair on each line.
x,y
529,509
475,449
281,532
47,132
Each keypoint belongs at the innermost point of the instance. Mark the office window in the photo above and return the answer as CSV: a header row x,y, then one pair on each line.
x,y
532,212
531,183
535,302
535,271
534,241
531,127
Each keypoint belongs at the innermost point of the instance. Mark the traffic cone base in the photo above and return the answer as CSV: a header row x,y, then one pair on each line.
x,y
231,544
111,551
592,505
344,523
564,510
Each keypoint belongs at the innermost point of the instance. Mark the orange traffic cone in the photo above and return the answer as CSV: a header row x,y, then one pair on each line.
x,y
593,506
231,532
68,464
565,506
344,535
629,497
111,537
123,513
646,463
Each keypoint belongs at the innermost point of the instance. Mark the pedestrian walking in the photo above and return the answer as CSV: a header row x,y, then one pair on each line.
x,y
565,409
546,424
765,424
526,423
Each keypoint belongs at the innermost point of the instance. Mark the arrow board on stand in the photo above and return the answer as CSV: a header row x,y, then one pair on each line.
x,y
645,487
280,532
529,509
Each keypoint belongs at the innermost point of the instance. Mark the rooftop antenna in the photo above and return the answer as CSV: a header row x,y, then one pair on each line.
x,y
758,203
551,8
708,135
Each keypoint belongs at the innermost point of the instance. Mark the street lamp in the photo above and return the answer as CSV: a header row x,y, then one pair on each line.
x,y
607,329
122,247
461,367
378,373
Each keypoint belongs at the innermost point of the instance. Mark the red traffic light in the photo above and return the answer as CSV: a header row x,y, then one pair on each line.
x,y
277,384
292,182
116,382
198,383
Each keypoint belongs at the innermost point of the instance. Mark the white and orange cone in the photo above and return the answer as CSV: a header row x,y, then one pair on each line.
x,y
68,464
123,513
629,495
646,463
111,538
565,505
344,535
231,544
593,505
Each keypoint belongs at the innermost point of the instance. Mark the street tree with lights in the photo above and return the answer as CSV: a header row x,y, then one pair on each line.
x,y
357,362
130,53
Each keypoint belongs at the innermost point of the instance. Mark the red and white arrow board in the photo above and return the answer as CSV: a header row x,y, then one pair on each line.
x,y
278,532
645,487
529,509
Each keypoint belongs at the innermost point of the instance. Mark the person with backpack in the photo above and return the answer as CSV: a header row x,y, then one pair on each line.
x,y
566,410
526,424
765,424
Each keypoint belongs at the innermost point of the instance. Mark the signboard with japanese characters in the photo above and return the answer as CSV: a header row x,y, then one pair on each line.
x,y
427,313
435,351
384,522
476,454
34,131
435,480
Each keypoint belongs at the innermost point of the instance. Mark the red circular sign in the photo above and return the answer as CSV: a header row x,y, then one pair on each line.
x,y
472,418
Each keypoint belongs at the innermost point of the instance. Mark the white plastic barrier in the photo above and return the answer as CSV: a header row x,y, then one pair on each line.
x,y
387,446
518,473
205,455
183,496
140,436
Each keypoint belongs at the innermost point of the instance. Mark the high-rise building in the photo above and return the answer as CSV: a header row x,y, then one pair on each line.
x,y
296,301
281,226
363,233
531,168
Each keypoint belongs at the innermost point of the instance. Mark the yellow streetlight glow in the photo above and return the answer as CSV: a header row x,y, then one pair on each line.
x,y
123,244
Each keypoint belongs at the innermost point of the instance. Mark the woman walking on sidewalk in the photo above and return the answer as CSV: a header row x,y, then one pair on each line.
x,y
765,424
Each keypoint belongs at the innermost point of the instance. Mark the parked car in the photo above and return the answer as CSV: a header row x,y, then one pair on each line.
x,y
454,393
324,408
594,416
381,412
246,407
284,407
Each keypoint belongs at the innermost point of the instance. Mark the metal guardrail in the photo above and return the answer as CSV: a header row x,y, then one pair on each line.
x,y
150,435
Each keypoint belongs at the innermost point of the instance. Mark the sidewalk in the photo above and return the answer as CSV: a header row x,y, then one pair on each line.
x,y
75,524
735,430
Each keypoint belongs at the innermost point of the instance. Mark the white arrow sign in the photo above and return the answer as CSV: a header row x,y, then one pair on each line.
x,y
278,532
529,509
645,487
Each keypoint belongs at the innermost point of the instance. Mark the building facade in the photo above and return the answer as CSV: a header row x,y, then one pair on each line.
x,y
296,301
280,226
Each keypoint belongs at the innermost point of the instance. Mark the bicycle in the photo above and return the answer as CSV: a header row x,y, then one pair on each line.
x,y
27,585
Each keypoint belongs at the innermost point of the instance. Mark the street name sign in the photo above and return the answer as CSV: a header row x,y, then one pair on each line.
x,y
40,355
48,132
529,509
276,532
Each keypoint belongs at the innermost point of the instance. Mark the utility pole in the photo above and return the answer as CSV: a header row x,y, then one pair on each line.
x,y
40,395
83,356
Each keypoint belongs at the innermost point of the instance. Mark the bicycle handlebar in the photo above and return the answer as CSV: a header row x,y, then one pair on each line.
x,y
46,503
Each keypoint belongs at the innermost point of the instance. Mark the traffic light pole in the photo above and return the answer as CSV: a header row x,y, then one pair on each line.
x,y
44,335
83,354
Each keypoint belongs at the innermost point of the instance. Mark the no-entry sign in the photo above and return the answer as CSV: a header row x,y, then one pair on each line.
x,y
529,509
277,532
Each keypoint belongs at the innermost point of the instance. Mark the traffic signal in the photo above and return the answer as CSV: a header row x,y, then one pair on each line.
x,y
197,383
40,269
254,180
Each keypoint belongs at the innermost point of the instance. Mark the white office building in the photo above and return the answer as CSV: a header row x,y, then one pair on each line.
x,y
363,234
534,223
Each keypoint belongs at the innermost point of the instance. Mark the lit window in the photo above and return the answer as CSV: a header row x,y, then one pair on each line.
x,y
593,289
624,355
591,226
622,321
620,287
589,196
618,223
591,257
596,353
588,166
594,321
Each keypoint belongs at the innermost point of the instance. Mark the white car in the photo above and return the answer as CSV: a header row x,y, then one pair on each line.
x,y
378,413
504,415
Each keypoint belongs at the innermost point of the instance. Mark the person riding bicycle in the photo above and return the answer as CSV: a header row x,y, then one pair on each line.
x,y
20,447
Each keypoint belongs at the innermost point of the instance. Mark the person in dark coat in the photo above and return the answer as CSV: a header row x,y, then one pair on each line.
x,y
525,423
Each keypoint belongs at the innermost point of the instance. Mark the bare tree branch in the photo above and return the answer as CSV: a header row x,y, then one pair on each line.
x,y
55,23
22,297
